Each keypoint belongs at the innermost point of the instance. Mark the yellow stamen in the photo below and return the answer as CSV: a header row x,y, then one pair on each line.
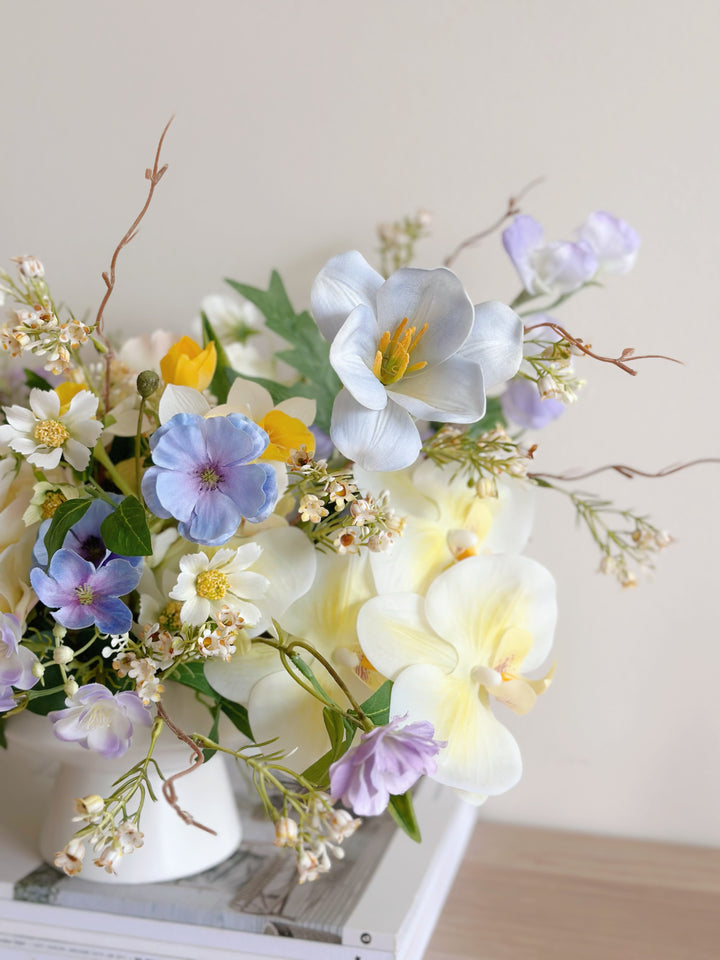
x,y
211,585
51,433
392,360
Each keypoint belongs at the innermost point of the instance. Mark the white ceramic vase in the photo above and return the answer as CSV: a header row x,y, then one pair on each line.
x,y
171,848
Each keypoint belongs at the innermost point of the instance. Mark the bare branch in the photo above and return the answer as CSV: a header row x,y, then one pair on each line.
x,y
513,208
627,354
168,788
624,471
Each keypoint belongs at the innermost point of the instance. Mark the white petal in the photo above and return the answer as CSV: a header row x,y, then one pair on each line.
x,y
288,560
76,454
195,611
394,634
20,419
249,398
343,283
47,461
177,399
83,406
435,297
352,355
235,679
45,404
474,602
87,432
376,439
481,755
301,408
495,342
452,391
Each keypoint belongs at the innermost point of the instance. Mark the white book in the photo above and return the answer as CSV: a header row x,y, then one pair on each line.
x,y
380,903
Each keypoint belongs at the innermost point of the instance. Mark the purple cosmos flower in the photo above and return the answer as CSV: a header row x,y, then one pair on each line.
x,y
522,404
86,594
203,475
16,661
99,720
547,268
613,241
84,537
387,761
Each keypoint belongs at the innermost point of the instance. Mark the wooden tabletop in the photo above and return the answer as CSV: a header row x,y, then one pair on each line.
x,y
530,894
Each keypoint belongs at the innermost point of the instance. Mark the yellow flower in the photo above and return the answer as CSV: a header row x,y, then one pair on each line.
x,y
66,391
186,364
286,433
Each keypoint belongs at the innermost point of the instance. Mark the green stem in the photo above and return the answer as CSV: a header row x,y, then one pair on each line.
x,y
100,454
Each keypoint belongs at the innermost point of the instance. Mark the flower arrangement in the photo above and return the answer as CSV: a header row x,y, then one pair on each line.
x,y
313,521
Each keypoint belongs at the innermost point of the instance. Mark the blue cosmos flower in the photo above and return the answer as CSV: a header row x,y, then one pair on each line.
x,y
204,477
84,537
85,594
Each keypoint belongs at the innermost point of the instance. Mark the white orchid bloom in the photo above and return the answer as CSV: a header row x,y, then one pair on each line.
x,y
406,347
445,522
326,617
482,623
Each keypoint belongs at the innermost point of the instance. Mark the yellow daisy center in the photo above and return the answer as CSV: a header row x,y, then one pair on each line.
x,y
169,616
392,360
51,433
211,585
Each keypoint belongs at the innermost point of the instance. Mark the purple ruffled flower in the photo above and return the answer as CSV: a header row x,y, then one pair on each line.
x,y
204,477
85,594
612,240
522,404
387,762
99,720
547,268
16,661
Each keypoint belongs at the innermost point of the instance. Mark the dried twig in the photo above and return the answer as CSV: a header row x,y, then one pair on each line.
x,y
624,471
154,175
627,354
168,788
513,208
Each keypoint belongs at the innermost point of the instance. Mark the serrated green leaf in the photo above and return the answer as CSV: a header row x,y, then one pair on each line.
x,y
309,352
224,374
65,517
377,706
402,811
125,530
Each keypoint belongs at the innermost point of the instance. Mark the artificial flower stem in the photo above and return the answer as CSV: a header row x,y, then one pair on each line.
x,y
101,455
138,435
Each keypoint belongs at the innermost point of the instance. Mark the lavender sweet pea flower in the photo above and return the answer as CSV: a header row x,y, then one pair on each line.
x,y
522,404
387,762
99,720
613,241
547,268
85,594
203,475
16,661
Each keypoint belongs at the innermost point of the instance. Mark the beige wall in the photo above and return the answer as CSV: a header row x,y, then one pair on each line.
x,y
298,126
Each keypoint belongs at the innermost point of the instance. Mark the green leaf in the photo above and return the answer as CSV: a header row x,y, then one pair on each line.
x,y
66,516
224,374
377,706
34,380
307,672
193,675
238,714
214,730
402,811
341,735
125,530
3,739
309,352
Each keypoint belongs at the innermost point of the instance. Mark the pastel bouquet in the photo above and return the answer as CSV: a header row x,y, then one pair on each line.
x,y
313,521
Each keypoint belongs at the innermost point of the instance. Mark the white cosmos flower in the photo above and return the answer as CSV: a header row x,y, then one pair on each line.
x,y
411,346
43,434
482,624
445,521
205,585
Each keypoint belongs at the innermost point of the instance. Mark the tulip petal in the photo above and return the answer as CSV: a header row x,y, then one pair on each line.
x,y
344,282
452,391
376,439
495,342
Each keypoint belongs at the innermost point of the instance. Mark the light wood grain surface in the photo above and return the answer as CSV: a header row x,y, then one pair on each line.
x,y
529,894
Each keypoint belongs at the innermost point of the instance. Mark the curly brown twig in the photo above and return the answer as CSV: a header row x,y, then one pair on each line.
x,y
624,471
168,788
154,175
627,354
513,208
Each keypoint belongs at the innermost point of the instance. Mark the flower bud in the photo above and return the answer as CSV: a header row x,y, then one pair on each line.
x,y
90,806
63,654
70,687
286,832
30,267
147,383
38,670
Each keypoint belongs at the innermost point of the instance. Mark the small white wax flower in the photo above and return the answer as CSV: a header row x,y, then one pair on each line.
x,y
30,267
286,832
70,687
88,808
63,654
70,858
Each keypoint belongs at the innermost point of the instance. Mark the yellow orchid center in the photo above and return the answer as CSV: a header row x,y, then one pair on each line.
x,y
51,433
392,360
187,364
462,544
286,433
211,585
